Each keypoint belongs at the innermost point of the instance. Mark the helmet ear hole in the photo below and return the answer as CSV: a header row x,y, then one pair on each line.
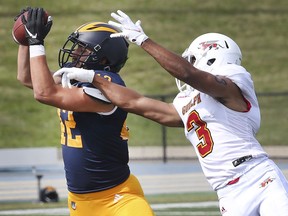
x,y
211,61
193,59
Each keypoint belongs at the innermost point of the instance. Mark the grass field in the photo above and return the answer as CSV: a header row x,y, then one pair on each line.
x,y
259,27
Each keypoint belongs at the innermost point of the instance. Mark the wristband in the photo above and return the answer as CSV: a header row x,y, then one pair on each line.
x,y
36,50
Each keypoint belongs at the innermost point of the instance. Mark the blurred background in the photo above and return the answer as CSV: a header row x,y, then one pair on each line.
x,y
259,28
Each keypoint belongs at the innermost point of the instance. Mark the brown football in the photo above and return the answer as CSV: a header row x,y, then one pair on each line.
x,y
18,30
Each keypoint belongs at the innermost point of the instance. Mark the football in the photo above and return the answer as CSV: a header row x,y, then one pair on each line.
x,y
18,30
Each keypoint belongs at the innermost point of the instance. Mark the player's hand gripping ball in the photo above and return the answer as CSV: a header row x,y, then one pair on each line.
x,y
18,30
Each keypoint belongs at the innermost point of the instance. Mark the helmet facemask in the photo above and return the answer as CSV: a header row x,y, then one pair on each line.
x,y
87,58
182,86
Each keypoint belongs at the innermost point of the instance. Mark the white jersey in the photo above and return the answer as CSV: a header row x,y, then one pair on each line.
x,y
219,134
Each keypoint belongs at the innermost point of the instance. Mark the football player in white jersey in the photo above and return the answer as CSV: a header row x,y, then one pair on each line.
x,y
219,111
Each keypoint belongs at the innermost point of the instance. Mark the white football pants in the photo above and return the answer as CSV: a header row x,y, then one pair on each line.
x,y
261,191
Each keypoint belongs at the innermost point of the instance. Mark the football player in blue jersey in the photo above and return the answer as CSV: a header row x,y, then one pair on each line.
x,y
94,136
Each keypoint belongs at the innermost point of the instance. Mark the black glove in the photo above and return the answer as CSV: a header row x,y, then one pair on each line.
x,y
22,11
36,30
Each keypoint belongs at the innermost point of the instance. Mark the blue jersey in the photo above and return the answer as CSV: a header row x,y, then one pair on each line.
x,y
94,146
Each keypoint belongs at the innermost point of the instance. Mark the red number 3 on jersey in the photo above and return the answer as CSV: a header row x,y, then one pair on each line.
x,y
205,145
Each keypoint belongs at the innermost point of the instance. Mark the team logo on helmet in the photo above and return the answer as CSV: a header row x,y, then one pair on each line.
x,y
210,45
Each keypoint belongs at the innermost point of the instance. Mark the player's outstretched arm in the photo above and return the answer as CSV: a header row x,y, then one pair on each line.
x,y
124,98
219,87
175,64
133,102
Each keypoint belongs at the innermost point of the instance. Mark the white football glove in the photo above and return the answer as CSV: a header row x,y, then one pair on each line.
x,y
82,75
131,31
73,73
